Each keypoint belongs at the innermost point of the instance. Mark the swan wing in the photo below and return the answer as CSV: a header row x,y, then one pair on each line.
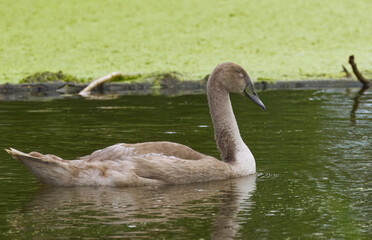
x,y
172,170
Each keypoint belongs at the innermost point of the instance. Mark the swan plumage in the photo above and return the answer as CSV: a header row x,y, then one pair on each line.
x,y
157,163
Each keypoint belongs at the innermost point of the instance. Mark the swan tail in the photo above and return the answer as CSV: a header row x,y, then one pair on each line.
x,y
48,169
33,156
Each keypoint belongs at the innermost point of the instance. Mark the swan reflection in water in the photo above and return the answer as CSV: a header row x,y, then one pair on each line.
x,y
58,208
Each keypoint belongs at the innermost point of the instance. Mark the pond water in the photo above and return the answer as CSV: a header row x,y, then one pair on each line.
x,y
313,152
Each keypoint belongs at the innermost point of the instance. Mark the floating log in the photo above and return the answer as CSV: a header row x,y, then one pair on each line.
x,y
86,91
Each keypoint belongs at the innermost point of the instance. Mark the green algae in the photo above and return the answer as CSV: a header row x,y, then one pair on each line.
x,y
273,40
45,77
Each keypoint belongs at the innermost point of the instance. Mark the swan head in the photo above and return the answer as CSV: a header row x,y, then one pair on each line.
x,y
236,80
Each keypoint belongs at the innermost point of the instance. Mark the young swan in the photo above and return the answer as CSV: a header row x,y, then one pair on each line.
x,y
155,163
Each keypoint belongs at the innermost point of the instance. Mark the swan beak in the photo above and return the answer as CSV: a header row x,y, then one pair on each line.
x,y
250,92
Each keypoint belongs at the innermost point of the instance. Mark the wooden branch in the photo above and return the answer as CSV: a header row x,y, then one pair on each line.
x,y
86,91
359,76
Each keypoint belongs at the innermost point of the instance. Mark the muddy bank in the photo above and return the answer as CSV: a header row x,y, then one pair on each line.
x,y
61,89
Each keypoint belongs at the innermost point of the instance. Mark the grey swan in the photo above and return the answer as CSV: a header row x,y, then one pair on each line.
x,y
157,163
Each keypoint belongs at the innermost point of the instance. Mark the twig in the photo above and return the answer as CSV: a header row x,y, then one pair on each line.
x,y
346,71
359,76
86,91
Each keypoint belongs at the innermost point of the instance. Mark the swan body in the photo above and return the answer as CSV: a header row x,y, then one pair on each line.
x,y
157,163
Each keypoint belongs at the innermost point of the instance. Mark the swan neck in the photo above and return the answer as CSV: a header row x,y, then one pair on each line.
x,y
226,129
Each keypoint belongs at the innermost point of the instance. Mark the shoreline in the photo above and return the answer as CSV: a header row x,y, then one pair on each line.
x,y
58,90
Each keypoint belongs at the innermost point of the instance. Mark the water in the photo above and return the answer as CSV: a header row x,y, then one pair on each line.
x,y
313,152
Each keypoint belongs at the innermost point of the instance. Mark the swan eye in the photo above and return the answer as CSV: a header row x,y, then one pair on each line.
x,y
241,75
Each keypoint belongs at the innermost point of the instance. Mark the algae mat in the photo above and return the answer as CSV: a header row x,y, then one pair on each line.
x,y
271,39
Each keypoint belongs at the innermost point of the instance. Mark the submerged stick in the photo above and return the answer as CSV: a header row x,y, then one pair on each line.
x,y
346,71
86,91
359,76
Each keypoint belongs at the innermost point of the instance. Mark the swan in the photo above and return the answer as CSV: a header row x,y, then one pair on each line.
x,y
158,163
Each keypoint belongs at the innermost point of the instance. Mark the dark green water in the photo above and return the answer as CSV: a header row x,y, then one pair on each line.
x,y
313,152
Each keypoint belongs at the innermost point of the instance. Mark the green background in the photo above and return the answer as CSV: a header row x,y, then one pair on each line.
x,y
273,40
